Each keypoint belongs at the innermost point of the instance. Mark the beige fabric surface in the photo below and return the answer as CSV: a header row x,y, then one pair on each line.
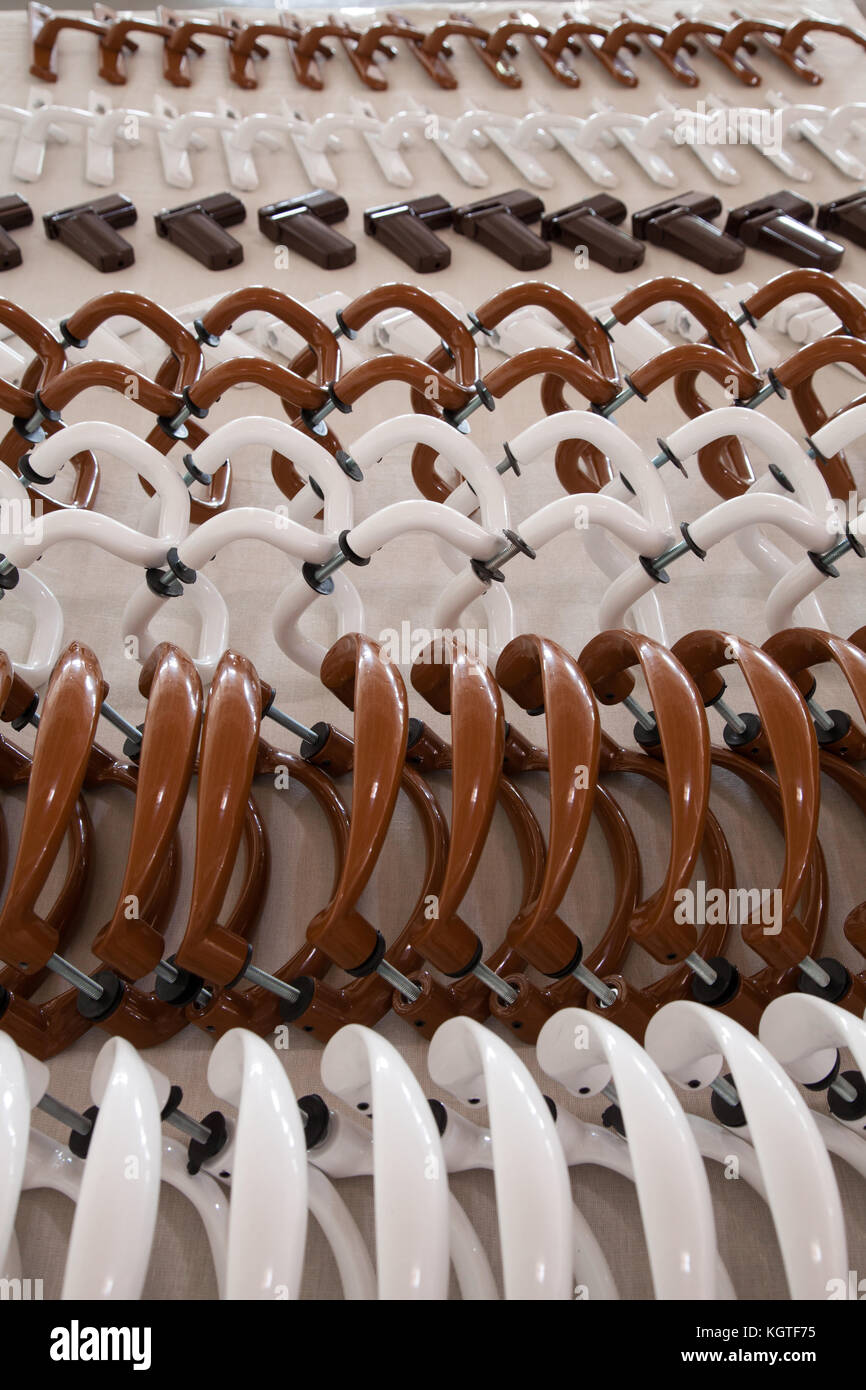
x,y
558,595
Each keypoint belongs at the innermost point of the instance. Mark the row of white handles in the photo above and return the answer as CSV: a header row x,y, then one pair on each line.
x,y
548,1249
834,132
629,518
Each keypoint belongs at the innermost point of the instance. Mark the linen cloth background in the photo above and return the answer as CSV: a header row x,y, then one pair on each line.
x,y
558,595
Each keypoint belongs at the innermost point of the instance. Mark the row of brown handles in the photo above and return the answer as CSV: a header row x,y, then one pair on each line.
x,y
448,383
219,743
180,34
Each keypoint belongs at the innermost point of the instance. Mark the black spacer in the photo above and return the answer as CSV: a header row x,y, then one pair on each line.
x,y
291,1010
631,386
467,969
26,717
168,426
611,1118
200,1151
178,568
781,478
671,456
416,730
816,452
351,556
649,564
347,332
752,731
477,326
646,738
822,565
193,469
318,1119
158,582
510,458
34,435
68,339
316,489
9,578
132,746
734,1116
449,352
519,543
181,991
826,1082
375,958
45,411
626,484
319,586
841,727
855,543
724,987
175,1096
692,545
604,328
28,473
572,964
849,1109
487,575
776,384
97,1010
484,394
749,316
840,981
440,1115
310,747
348,465
199,411
552,1107
204,336
79,1144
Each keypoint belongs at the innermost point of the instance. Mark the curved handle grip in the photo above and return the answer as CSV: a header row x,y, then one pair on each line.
x,y
714,318
464,688
696,357
229,746
131,945
67,730
536,672
790,734
186,349
323,350
685,742
360,676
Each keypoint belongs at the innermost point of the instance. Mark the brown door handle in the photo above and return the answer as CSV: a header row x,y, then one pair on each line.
x,y
229,745
787,728
244,43
322,353
565,40
170,683
433,50
63,744
684,738
307,51
738,36
793,39
180,42
182,367
797,374
497,48
45,27
361,51
464,688
359,675
115,41
681,37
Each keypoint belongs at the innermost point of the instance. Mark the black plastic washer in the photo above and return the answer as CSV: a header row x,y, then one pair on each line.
x,y
318,1119
319,586
204,336
350,554
79,1144
158,582
724,987
467,969
175,1096
373,961
68,339
178,568
440,1115
28,472
751,731
291,1010
97,1010
649,564
611,1118
181,991
827,1081
840,981
194,471
841,727
734,1116
200,1151
781,478
849,1109
671,456
349,466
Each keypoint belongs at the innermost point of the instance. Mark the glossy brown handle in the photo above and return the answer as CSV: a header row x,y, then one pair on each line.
x,y
685,741
696,357
465,688
228,756
130,944
185,348
65,387
323,347
63,744
358,673
788,728
45,27
538,673
797,374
